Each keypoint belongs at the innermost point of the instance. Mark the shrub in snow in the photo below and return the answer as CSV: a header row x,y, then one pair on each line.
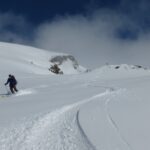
x,y
55,69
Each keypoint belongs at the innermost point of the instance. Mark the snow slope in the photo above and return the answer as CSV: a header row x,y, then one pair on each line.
x,y
105,109
32,60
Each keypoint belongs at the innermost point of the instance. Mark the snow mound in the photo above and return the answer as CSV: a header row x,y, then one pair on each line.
x,y
121,71
125,67
25,59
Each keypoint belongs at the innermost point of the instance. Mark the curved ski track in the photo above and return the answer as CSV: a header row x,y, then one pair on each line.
x,y
56,130
115,126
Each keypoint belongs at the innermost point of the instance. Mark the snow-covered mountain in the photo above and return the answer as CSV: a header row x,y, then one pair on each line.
x,y
104,109
121,71
27,59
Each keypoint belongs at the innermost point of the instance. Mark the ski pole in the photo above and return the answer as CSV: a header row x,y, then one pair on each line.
x,y
8,92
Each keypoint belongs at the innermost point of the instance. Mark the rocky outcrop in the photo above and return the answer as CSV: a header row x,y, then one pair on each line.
x,y
59,60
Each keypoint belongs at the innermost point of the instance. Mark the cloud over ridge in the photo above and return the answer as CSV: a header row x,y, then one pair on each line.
x,y
103,35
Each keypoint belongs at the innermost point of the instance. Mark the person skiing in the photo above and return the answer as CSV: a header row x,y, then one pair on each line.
x,y
12,83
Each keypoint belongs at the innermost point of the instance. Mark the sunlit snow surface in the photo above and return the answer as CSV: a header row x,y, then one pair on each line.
x,y
105,109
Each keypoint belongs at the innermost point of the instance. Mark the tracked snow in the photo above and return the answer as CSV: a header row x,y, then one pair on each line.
x,y
105,109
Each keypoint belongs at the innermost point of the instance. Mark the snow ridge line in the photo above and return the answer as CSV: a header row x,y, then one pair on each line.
x,y
114,124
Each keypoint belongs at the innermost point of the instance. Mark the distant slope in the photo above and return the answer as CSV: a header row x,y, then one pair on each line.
x,y
26,59
121,71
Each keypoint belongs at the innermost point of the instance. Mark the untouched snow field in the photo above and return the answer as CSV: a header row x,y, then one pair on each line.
x,y
105,109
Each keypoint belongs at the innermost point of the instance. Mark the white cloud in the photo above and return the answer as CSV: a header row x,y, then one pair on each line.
x,y
94,39
90,39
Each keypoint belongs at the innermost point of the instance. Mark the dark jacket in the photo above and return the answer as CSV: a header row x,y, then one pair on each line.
x,y
12,81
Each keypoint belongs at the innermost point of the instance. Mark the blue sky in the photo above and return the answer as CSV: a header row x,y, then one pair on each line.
x,y
107,31
37,11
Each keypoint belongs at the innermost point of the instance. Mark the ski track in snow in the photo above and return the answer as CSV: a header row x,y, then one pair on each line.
x,y
19,93
114,124
24,92
56,130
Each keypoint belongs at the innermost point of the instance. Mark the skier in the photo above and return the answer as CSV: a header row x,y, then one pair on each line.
x,y
12,83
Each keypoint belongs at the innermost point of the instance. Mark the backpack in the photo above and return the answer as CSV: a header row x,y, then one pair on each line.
x,y
14,80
